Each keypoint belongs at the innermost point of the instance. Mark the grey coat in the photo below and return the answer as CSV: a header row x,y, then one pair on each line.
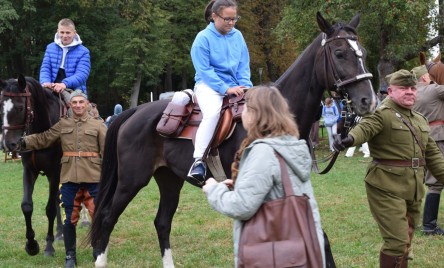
x,y
259,180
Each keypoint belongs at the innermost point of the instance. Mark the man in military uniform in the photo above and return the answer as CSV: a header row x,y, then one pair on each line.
x,y
430,103
82,138
401,147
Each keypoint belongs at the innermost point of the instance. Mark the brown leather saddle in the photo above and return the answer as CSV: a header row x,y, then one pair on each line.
x,y
182,121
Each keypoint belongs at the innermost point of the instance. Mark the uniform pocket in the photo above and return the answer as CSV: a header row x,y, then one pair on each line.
x,y
91,132
96,160
64,160
425,133
400,134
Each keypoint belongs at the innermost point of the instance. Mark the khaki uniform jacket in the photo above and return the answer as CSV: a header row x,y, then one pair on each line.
x,y
76,135
390,139
430,103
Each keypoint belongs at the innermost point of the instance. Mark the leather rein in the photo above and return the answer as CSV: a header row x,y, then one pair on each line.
x,y
347,114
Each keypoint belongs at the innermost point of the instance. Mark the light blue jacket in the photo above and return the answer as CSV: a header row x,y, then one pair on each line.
x,y
259,180
221,61
77,63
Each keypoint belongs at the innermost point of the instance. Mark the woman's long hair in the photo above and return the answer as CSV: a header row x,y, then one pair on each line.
x,y
269,116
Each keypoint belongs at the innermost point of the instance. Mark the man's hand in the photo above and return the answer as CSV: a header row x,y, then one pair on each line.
x,y
21,146
340,144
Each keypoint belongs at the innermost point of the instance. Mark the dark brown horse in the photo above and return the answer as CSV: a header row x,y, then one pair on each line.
x,y
134,152
26,108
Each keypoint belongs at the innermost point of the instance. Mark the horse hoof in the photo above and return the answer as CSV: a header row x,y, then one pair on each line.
x,y
59,237
32,248
49,253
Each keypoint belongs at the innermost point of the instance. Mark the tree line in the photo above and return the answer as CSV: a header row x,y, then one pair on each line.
x,y
141,48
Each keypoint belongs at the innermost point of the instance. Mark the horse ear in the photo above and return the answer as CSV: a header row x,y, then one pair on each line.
x,y
355,20
422,58
21,82
438,58
323,24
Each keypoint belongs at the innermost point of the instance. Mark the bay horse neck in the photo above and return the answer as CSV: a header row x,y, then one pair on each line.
x,y
299,86
45,107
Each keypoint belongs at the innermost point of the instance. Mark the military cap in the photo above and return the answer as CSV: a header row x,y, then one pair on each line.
x,y
419,71
403,78
76,93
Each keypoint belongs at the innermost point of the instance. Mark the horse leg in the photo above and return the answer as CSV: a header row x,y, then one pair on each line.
x,y
169,186
125,192
51,212
29,178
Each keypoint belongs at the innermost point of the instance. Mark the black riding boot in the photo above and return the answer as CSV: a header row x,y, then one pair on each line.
x,y
196,175
69,237
429,222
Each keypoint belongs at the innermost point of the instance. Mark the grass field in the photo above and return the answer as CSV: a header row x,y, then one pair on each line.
x,y
201,237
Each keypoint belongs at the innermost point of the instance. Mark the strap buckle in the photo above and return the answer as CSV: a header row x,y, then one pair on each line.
x,y
415,162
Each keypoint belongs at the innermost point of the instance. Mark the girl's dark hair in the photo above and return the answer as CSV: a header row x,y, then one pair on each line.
x,y
216,6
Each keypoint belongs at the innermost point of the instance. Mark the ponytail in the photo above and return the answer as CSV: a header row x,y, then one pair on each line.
x,y
208,11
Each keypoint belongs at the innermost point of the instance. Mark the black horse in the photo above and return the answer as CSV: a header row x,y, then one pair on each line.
x,y
135,152
28,108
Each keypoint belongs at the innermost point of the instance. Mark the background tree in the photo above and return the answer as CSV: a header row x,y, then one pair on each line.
x,y
393,32
143,47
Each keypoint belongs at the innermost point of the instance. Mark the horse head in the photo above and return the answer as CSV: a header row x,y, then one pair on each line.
x,y
15,111
340,65
436,70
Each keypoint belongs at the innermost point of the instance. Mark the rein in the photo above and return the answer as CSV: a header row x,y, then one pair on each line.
x,y
339,84
348,119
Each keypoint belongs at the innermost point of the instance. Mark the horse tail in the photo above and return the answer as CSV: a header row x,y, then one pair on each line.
x,y
108,178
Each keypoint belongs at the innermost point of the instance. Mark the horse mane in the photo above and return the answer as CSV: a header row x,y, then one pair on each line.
x,y
41,105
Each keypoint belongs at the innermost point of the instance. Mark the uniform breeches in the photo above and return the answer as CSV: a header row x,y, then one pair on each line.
x,y
434,186
396,219
210,103
72,197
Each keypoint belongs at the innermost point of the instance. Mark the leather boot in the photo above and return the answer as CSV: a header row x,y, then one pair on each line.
x,y
429,221
69,237
196,175
386,261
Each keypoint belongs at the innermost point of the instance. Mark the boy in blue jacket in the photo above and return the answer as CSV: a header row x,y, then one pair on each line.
x,y
66,64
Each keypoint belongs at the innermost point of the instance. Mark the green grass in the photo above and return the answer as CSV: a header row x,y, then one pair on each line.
x,y
201,237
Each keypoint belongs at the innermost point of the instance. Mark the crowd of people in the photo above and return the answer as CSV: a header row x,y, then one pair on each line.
x,y
404,137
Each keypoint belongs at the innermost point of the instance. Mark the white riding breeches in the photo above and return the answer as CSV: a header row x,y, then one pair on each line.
x,y
210,103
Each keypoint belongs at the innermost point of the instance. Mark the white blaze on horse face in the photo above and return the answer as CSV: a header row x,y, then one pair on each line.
x,y
7,107
355,47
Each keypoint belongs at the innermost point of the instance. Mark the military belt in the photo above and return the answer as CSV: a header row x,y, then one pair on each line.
x,y
413,163
81,154
436,123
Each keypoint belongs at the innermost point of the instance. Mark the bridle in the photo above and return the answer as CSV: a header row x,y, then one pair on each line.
x,y
340,84
347,115
29,114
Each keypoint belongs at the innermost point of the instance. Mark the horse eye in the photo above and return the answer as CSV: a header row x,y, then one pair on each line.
x,y
339,54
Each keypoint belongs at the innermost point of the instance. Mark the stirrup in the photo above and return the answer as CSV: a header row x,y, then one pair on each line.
x,y
197,174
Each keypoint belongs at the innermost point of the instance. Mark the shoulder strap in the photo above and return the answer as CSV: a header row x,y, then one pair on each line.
x,y
411,128
288,189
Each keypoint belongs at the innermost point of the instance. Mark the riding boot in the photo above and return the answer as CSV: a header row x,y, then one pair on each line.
x,y
197,173
429,222
386,261
69,237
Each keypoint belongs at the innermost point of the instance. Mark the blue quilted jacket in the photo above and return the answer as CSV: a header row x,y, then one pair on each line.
x,y
77,65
